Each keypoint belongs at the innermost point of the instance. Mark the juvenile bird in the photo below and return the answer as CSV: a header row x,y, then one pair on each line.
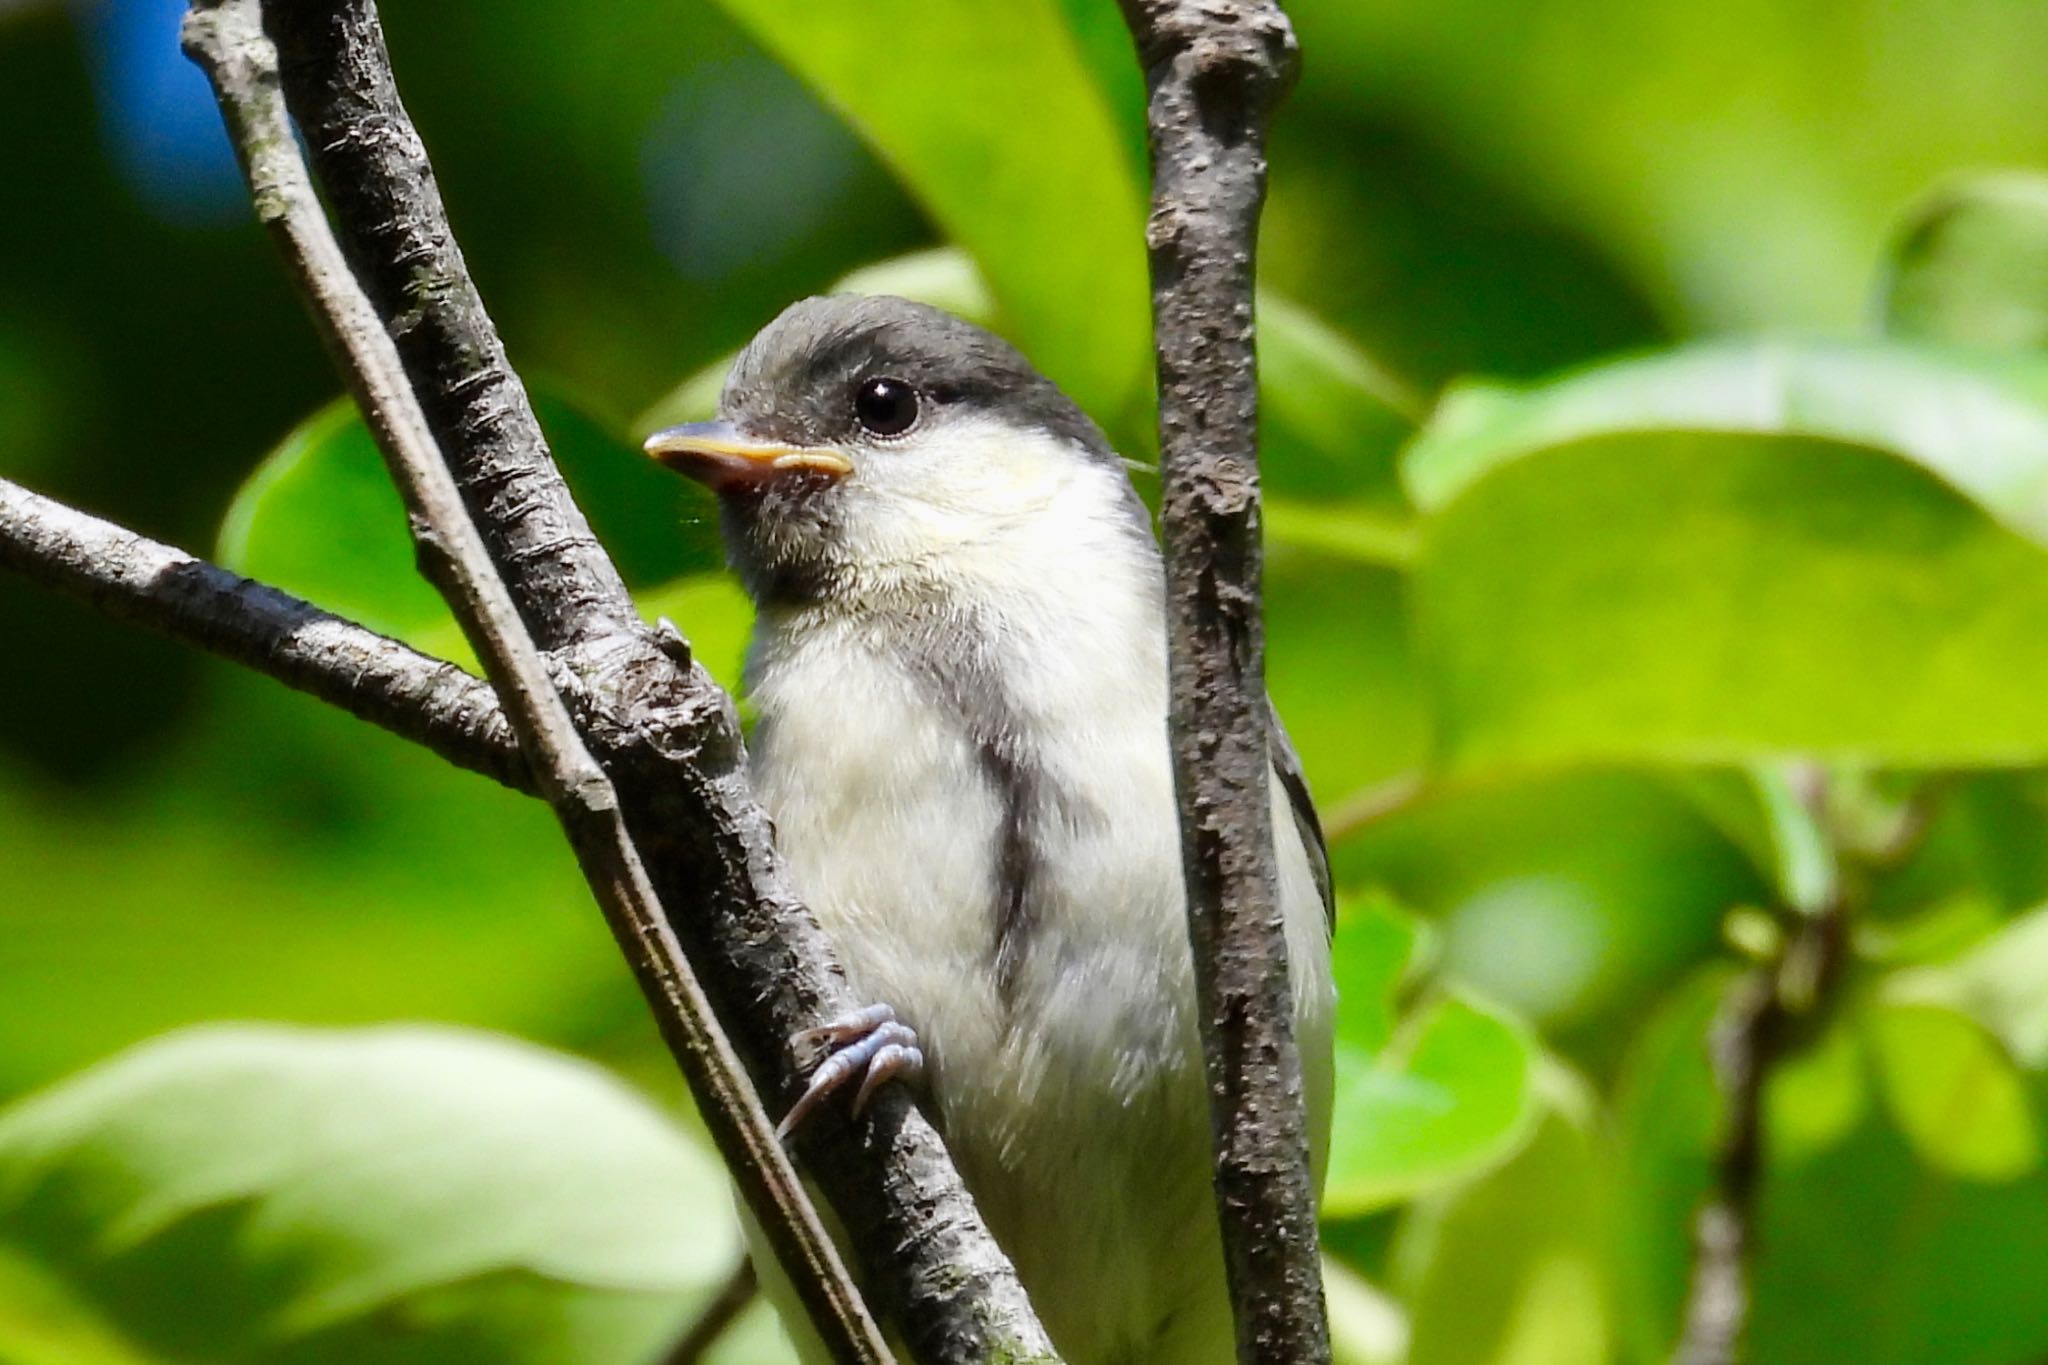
x,y
959,669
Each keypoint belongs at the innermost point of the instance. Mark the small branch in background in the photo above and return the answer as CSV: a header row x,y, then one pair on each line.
x,y
226,38
715,1317
1765,1014
1365,808
1214,71
132,578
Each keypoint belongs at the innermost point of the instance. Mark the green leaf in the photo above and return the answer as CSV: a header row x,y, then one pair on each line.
x,y
1816,1096
1371,952
1449,1096
1028,169
1330,419
1916,1267
1954,1094
395,1194
1571,897
1516,1268
1971,265
1978,423
1757,808
2001,982
1367,1326
718,617
1735,552
321,519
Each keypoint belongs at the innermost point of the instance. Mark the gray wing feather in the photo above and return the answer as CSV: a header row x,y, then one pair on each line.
x,y
1287,767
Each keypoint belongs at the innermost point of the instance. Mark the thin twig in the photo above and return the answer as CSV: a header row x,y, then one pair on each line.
x,y
1765,1014
226,38
1215,69
667,736
1368,806
715,1317
373,677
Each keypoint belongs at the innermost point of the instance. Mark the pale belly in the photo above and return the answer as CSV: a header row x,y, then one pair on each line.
x,y
1070,1093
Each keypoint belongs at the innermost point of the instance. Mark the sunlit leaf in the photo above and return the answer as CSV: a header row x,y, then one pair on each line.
x,y
1516,1268
1367,1325
399,1194
1916,1268
1736,552
1955,1095
1817,1095
321,519
2001,982
1569,897
1449,1096
1758,810
1971,265
1029,169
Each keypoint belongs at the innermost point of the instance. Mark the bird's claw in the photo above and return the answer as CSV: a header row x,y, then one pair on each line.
x,y
869,1043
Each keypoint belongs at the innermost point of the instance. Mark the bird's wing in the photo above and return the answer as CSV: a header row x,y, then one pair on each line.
x,y
1287,767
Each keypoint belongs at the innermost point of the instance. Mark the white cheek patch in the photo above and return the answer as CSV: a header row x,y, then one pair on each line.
x,y
966,485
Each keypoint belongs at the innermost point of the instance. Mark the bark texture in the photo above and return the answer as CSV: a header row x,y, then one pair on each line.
x,y
226,38
132,578
1214,71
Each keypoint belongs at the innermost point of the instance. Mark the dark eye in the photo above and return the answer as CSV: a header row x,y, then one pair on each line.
x,y
885,407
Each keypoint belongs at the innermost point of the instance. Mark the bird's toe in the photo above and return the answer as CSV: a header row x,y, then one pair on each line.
x,y
869,1045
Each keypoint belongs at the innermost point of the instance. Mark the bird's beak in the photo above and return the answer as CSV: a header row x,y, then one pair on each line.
x,y
721,456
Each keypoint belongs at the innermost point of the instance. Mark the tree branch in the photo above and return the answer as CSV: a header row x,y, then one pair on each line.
x,y
1214,70
132,578
226,38
665,735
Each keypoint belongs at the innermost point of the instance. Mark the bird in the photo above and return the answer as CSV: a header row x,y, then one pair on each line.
x,y
959,677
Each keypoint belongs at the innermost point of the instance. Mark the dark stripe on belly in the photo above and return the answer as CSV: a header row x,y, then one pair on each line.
x,y
949,657
1016,863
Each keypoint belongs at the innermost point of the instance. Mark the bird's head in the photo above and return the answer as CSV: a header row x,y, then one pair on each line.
x,y
865,440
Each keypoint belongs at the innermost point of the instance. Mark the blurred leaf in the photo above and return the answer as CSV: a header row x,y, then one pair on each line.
x,y
1978,423
1666,1118
1958,1099
1516,1268
1371,952
398,1194
321,519
1367,1326
2002,983
1914,1268
1028,168
1971,266
1362,534
715,615
1737,551
1817,1095
1330,420
1756,807
1451,1095
1570,897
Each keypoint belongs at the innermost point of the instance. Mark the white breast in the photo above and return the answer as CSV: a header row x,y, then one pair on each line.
x,y
1072,1097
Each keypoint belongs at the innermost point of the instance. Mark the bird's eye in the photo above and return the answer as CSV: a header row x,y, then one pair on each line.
x,y
886,407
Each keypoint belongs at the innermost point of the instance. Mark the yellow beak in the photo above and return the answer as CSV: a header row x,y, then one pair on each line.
x,y
721,456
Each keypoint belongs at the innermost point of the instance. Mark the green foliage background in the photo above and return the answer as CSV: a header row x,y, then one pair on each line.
x,y
1654,407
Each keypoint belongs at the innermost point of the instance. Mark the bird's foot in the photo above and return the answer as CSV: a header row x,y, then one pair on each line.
x,y
871,1044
